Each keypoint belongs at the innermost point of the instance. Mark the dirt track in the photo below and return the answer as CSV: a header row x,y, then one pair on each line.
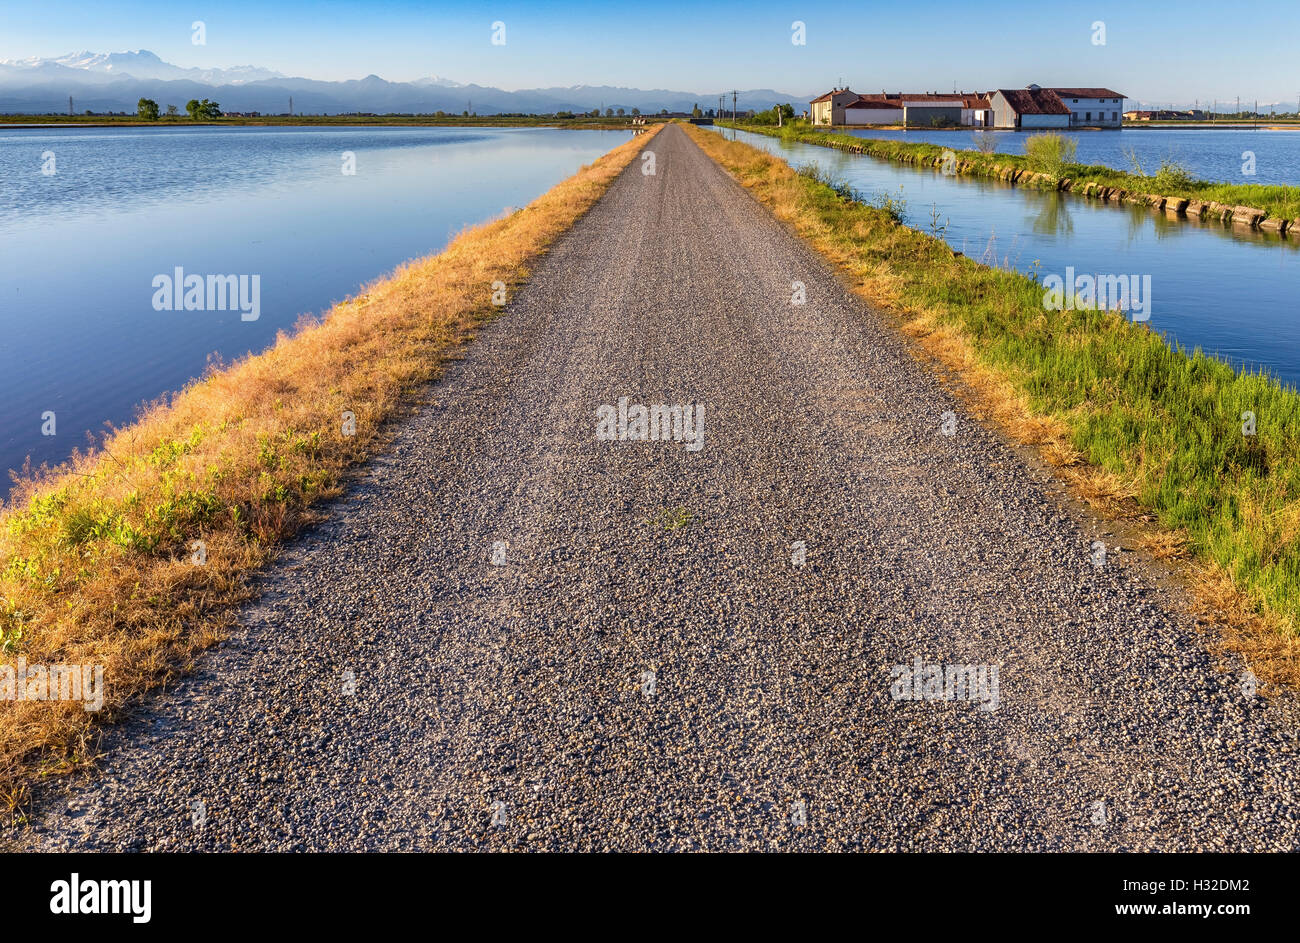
x,y
512,705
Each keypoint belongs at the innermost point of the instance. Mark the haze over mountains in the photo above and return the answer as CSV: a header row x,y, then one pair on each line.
x,y
103,82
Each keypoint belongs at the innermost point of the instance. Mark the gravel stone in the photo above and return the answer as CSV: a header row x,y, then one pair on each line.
x,y
505,707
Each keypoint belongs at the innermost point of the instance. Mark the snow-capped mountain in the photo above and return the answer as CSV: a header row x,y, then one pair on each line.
x,y
113,82
141,64
437,81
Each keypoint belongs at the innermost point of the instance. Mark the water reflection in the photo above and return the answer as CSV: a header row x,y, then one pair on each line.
x,y
1229,290
81,248
1053,217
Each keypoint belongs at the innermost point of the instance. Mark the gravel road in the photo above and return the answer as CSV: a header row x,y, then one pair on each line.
x,y
516,634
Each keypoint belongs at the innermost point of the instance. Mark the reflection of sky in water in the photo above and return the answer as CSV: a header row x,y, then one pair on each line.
x,y
1229,292
99,170
78,333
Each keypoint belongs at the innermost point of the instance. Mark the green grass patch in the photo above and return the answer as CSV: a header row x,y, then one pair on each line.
x,y
1166,421
1282,202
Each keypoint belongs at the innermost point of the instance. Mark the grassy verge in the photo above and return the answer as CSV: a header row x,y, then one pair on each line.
x,y
1276,207
1138,428
98,560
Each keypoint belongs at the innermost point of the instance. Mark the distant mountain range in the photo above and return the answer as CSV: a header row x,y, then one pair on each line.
x,y
101,67
103,82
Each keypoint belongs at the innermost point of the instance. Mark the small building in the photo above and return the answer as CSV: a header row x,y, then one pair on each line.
x,y
873,109
1028,108
976,111
927,111
1092,107
828,109
919,110
1194,114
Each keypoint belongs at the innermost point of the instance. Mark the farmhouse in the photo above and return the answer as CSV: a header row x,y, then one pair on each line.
x,y
1026,108
1031,107
828,109
1036,107
1194,114
921,109
1092,107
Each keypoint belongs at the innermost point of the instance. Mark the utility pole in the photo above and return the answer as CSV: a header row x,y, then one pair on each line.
x,y
69,106
290,106
734,93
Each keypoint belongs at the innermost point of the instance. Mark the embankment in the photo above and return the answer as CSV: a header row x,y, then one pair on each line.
x,y
1273,209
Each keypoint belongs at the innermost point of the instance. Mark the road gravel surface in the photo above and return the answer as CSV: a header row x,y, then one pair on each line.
x,y
515,633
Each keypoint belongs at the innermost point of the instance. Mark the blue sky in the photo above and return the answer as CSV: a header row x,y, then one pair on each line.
x,y
1155,50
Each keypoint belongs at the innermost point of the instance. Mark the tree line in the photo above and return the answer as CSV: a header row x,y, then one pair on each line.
x,y
147,109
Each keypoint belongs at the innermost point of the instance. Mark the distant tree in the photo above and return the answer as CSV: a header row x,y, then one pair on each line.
x,y
609,112
594,113
695,112
146,109
172,111
620,112
636,112
202,110
663,111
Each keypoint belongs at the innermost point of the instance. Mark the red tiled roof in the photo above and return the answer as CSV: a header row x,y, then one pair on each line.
x,y
831,94
1085,93
1033,101
896,99
874,101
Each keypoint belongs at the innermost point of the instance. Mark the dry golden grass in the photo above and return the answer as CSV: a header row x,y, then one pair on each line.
x,y
1272,656
880,262
95,557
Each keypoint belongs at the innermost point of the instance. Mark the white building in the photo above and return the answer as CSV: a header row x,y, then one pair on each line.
x,y
1092,107
873,111
919,110
1028,108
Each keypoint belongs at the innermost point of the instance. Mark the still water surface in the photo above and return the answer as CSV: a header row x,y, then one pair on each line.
x,y
79,335
1220,154
1232,293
